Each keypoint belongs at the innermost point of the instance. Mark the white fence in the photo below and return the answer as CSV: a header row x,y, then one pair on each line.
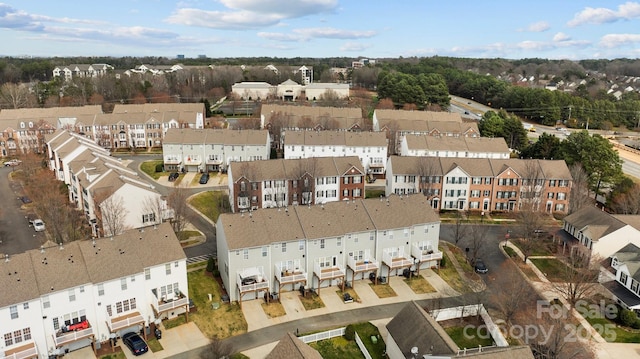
x,y
311,338
469,310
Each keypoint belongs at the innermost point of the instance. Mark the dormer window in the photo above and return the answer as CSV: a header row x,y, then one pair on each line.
x,y
30,124
21,124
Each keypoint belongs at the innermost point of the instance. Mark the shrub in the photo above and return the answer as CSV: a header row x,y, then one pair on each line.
x,y
350,332
211,266
443,261
159,167
628,317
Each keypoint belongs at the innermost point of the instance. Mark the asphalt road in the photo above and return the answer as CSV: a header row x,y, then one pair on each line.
x,y
16,236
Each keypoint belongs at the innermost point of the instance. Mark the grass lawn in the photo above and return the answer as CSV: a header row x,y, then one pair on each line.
x,y
552,268
118,355
174,322
419,285
154,345
149,167
539,246
311,302
607,328
373,193
351,292
223,322
209,203
184,235
476,337
450,275
239,356
339,347
383,290
510,251
273,309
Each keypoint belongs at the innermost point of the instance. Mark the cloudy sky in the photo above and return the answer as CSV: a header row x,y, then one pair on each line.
x,y
571,29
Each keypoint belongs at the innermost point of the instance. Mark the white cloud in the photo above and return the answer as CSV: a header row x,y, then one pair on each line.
x,y
616,40
627,11
354,46
561,36
306,34
539,26
250,14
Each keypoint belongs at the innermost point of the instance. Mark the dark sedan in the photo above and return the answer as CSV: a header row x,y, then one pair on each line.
x,y
173,176
204,178
134,342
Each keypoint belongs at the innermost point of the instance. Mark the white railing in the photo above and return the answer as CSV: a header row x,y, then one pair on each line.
x,y
252,279
423,255
285,275
73,336
328,272
362,265
23,354
163,307
193,161
312,338
125,322
171,161
362,347
396,262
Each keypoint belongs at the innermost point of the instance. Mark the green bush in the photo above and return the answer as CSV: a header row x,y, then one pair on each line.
x,y
211,266
350,332
628,317
159,167
443,262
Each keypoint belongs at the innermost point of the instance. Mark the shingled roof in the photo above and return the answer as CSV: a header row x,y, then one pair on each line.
x,y
597,222
290,347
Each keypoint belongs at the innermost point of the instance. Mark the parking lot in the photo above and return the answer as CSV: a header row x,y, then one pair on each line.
x,y
15,233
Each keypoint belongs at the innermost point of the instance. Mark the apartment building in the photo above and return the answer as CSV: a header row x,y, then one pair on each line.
x,y
370,147
316,246
72,71
461,147
211,150
399,123
282,183
482,184
83,293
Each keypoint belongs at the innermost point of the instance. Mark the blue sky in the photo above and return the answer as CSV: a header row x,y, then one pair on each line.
x,y
567,29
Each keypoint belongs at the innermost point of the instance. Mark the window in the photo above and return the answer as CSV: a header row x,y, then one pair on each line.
x,y
72,295
623,278
147,218
25,305
123,283
14,311
264,251
100,289
357,179
371,236
119,307
345,180
560,207
301,245
561,196
26,333
339,242
245,253
406,232
284,247
45,302
147,274
81,289
109,310
8,339
322,244
167,269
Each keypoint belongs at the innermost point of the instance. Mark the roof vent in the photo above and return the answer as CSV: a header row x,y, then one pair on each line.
x,y
6,258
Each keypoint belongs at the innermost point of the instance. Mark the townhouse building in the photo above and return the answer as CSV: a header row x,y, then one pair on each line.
x,y
84,293
212,150
23,130
461,147
72,71
281,183
325,90
626,287
399,123
370,147
482,184
316,246
112,197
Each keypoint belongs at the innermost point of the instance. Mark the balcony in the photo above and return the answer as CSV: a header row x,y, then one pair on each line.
x,y
395,260
192,161
124,321
172,161
425,254
324,273
363,265
73,333
286,274
252,279
214,161
26,351
166,304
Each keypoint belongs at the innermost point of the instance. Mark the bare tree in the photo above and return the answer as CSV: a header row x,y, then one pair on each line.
x,y
579,278
476,242
50,199
305,173
428,173
529,216
157,206
459,229
177,201
579,188
508,291
15,96
217,349
111,212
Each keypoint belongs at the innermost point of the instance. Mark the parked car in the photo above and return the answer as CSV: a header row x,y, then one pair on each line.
x,y
25,199
137,345
38,225
12,163
173,176
204,178
480,267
